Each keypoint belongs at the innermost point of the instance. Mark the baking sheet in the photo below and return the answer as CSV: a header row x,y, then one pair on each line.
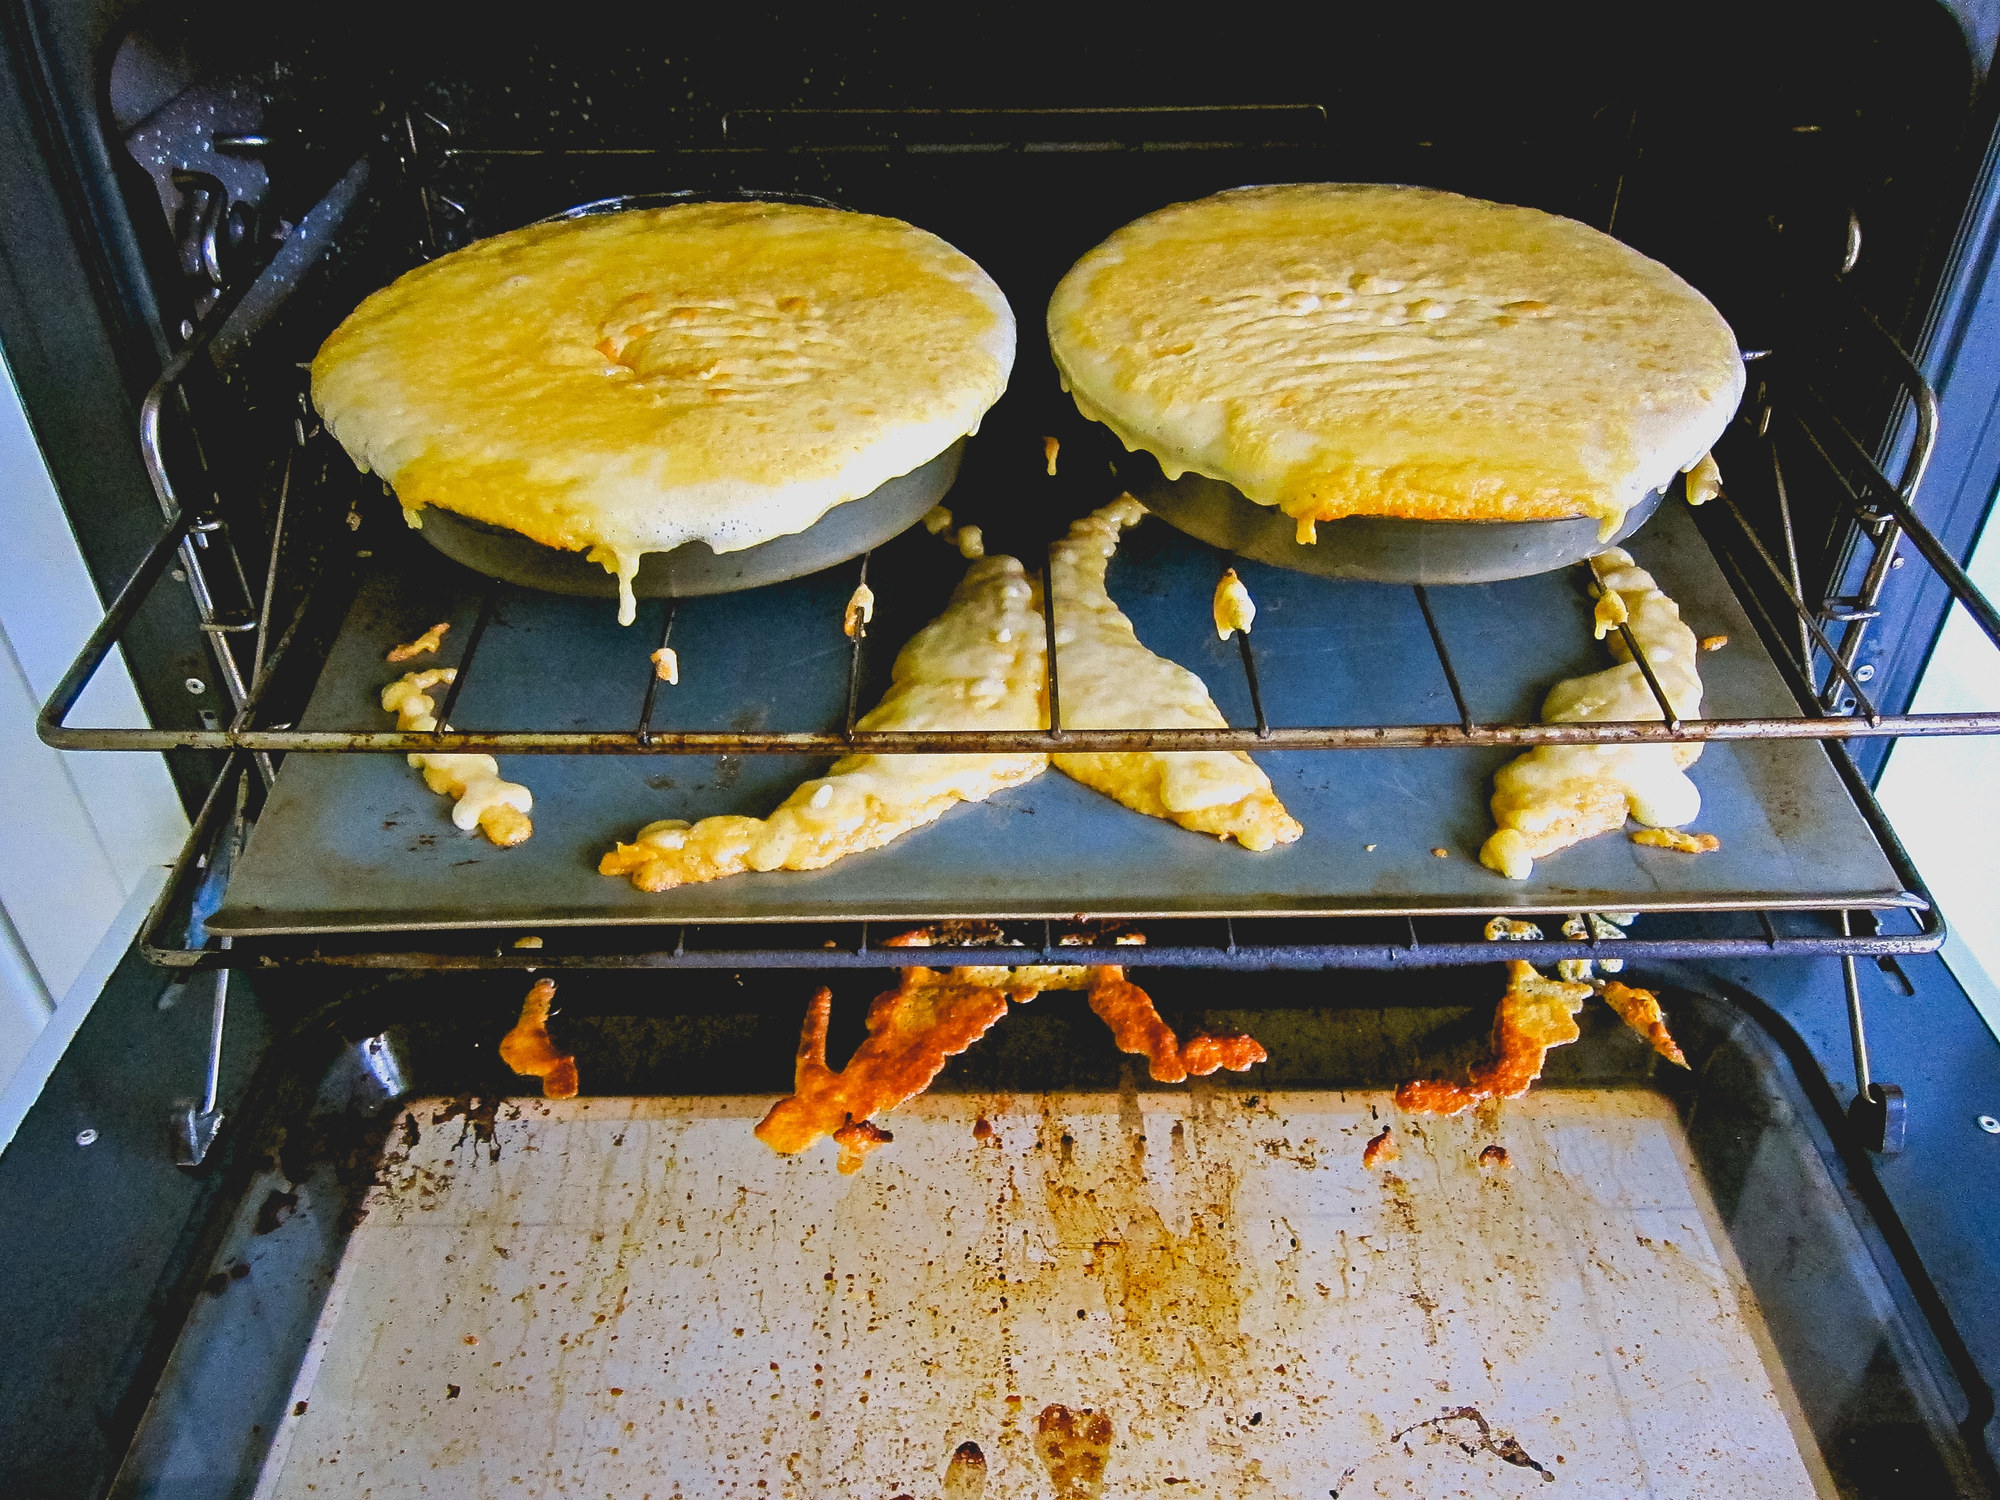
x,y
356,842
632,1297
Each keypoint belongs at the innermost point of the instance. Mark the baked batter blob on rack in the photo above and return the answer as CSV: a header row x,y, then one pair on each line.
x,y
979,665
1340,349
1109,680
1536,1014
631,382
934,1014
982,665
499,809
1558,795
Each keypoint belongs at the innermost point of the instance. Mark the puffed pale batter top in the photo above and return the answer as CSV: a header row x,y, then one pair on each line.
x,y
629,382
1341,349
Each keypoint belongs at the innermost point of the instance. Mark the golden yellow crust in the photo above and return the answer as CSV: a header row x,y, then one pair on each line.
x,y
1673,838
979,665
982,665
480,799
722,372
1558,795
1111,681
1348,349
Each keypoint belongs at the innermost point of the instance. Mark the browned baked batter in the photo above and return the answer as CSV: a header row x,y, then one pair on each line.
x,y
856,1139
530,1051
912,1029
1203,1053
933,1014
1640,1009
1136,1025
1536,1014
423,645
1380,1148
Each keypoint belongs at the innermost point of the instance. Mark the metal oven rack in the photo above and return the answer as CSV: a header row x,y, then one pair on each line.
x,y
253,652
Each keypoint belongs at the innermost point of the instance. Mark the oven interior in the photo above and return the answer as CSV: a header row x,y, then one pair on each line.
x,y
1805,168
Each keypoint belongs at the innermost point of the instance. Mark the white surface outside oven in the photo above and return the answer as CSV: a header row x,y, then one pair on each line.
x,y
84,839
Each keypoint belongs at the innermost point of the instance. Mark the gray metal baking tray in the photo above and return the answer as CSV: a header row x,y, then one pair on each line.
x,y
354,842
1676,1290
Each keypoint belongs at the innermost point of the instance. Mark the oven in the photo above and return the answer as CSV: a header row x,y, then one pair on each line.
x,y
323,1240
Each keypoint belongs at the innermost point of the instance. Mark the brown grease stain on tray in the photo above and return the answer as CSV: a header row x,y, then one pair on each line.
x,y
1174,1299
965,1475
653,1292
1074,1447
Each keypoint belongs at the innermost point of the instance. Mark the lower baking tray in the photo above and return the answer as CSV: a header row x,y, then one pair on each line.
x,y
353,843
1671,1291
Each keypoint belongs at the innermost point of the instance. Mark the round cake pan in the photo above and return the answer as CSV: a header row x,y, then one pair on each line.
x,y
1372,549
846,531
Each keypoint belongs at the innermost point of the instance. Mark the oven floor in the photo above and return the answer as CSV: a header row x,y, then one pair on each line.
x,y
633,1297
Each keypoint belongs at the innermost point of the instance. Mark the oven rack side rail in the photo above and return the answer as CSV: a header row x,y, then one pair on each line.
x,y
1834,705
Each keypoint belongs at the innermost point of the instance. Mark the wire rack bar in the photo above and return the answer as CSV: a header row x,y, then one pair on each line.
x,y
1465,720
854,654
1349,954
645,729
1870,493
1057,735
1810,627
463,671
1249,659
1018,741
1668,713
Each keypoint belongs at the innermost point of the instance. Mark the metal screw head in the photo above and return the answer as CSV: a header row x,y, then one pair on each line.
x,y
195,685
86,1136
1990,1125
1864,673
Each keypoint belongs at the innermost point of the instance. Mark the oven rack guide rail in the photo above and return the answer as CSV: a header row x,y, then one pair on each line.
x,y
198,541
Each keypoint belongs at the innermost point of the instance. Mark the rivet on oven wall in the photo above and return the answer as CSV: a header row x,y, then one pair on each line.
x,y
88,1137
1864,673
195,685
1990,1125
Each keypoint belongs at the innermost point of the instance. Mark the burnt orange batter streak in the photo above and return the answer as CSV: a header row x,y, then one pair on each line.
x,y
1534,1015
1074,1447
856,1139
933,1014
1380,1148
1136,1025
912,1029
531,1052
1204,1054
1640,1010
